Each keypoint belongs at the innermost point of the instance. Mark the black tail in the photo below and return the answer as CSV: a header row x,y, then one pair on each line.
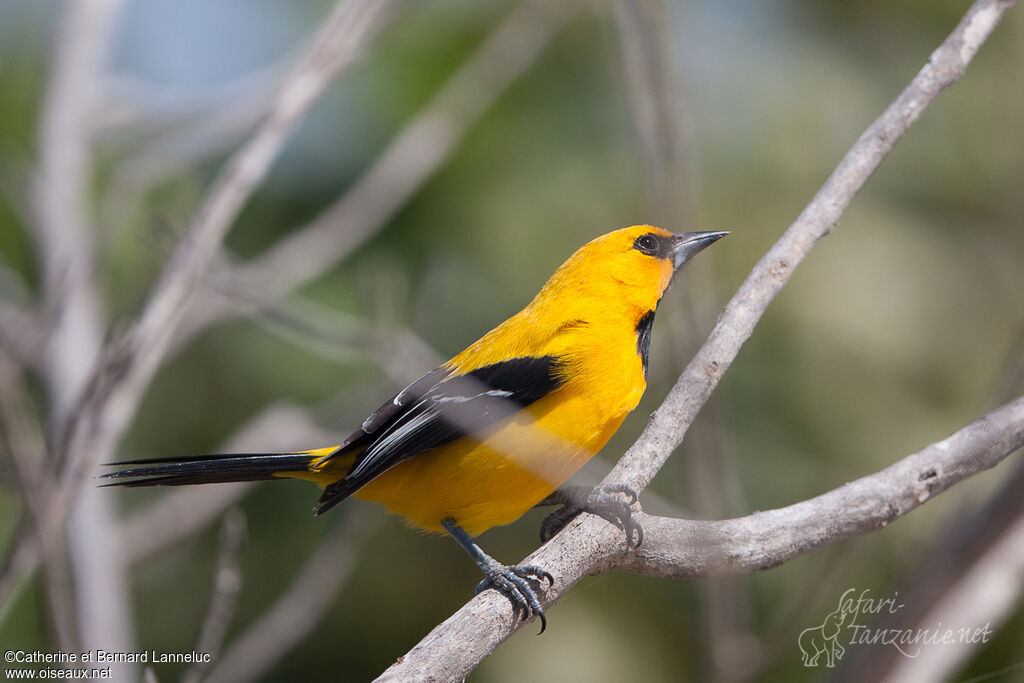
x,y
209,469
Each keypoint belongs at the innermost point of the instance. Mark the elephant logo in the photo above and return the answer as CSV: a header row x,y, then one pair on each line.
x,y
823,640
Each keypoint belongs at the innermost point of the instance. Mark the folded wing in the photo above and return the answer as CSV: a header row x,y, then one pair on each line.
x,y
437,409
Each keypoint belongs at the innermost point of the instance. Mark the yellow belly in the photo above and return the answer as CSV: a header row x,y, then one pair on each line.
x,y
493,479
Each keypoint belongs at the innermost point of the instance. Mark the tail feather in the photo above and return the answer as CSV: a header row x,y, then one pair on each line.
x,y
212,469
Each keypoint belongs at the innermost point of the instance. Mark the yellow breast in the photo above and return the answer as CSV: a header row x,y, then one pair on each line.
x,y
493,478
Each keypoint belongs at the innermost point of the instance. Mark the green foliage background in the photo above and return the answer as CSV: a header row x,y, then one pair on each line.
x,y
902,326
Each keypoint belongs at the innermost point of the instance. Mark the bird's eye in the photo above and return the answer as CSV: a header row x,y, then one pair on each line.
x,y
647,244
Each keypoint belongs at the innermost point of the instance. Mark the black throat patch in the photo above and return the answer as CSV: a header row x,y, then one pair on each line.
x,y
643,337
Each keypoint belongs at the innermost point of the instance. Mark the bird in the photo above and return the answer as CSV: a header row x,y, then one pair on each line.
x,y
499,428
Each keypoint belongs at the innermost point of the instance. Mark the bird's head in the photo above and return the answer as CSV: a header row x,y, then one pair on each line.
x,y
635,263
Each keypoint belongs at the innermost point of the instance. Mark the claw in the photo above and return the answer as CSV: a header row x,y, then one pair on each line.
x,y
605,502
514,583
624,489
511,581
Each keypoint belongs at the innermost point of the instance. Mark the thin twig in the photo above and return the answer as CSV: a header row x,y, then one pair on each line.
x,y
654,85
686,549
679,548
938,573
139,107
18,563
736,323
129,362
656,102
300,608
980,602
181,512
119,383
456,646
397,351
183,130
21,332
63,232
72,304
22,438
405,165
227,584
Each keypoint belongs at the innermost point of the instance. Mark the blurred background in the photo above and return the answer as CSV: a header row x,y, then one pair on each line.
x,y
522,132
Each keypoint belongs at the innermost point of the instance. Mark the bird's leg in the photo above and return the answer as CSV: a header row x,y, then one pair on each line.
x,y
511,581
611,503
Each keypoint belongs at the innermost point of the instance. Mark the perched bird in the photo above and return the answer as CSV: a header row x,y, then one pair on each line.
x,y
501,426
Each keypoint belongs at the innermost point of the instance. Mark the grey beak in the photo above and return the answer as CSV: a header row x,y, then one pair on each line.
x,y
687,244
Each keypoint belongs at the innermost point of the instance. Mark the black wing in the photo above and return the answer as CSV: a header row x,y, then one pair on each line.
x,y
438,409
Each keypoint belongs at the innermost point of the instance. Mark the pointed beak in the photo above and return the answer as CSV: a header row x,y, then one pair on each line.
x,y
687,244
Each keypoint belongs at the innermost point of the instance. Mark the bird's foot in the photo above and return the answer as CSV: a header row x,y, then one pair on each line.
x,y
611,503
514,583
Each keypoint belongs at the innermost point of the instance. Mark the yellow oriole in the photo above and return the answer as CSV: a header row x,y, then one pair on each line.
x,y
497,429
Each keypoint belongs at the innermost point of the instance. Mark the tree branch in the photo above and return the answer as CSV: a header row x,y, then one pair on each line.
x,y
736,323
456,646
72,305
300,608
399,353
227,583
132,362
983,599
179,513
63,233
941,573
678,549
409,160
182,129
655,90
22,438
116,386
21,332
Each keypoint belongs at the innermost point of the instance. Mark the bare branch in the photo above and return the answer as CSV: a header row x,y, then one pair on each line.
x,y
22,438
411,158
299,609
72,304
21,332
399,352
727,651
129,363
63,233
18,563
171,130
136,357
685,549
736,323
656,100
455,647
679,548
101,584
969,542
140,107
227,584
982,601
181,512
181,130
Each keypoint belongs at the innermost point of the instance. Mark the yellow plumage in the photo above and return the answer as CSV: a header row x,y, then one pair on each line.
x,y
503,424
587,315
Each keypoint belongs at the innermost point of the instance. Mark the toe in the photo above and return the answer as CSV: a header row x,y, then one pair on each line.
x,y
514,583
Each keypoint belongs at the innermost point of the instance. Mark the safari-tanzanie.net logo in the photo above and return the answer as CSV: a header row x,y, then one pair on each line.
x,y
847,626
